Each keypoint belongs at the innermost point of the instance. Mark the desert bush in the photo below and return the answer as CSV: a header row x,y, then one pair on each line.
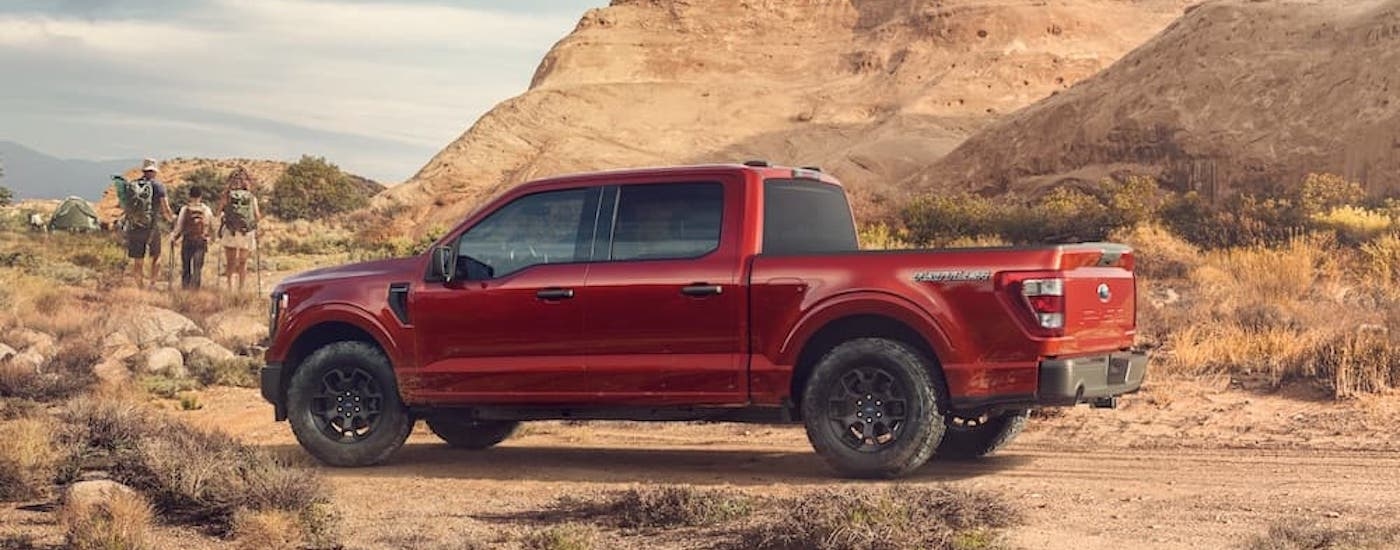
x,y
1380,259
122,521
208,180
66,374
240,372
1064,215
29,459
1323,192
193,476
882,237
313,188
889,518
268,530
1353,225
1310,535
568,536
934,219
1157,253
665,506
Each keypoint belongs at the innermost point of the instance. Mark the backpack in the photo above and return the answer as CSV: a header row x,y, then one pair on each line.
x,y
196,228
139,204
238,211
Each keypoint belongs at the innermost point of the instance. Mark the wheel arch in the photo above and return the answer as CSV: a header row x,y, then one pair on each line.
x,y
337,325
870,316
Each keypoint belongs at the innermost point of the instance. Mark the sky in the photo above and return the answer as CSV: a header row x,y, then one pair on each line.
x,y
377,87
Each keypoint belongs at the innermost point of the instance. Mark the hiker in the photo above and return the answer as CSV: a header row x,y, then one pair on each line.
x,y
192,230
142,200
237,229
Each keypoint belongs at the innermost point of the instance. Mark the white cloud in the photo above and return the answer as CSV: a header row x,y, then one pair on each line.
x,y
410,77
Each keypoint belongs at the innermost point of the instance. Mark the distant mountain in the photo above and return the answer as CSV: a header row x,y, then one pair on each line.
x,y
35,175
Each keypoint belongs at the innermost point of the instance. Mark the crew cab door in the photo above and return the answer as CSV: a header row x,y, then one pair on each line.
x,y
509,327
665,312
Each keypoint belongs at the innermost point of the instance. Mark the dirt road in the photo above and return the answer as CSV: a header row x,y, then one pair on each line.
x,y
1107,495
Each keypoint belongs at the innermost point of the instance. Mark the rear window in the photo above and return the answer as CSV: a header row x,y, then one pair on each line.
x,y
806,217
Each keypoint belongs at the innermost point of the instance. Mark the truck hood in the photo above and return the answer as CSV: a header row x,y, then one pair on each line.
x,y
378,268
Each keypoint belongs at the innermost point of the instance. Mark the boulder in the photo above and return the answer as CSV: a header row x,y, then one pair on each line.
x,y
164,361
29,361
85,495
33,340
208,355
237,329
148,327
188,344
119,347
111,371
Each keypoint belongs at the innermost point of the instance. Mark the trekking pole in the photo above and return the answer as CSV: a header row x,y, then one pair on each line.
x,y
172,265
257,261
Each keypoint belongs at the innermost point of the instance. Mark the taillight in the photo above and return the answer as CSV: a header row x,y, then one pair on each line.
x,y
1042,297
1046,298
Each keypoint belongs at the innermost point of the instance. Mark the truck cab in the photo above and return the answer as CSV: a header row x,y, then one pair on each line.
x,y
714,292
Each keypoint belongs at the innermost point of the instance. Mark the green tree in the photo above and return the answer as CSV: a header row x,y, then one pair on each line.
x,y
209,181
314,188
7,197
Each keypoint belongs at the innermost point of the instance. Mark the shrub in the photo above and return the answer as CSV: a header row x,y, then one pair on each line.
x,y
210,182
1353,225
569,536
882,237
7,197
28,458
120,522
1381,259
1310,535
938,218
313,188
1322,192
268,530
197,477
890,518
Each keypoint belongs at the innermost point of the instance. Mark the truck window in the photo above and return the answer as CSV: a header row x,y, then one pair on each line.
x,y
806,217
543,228
667,221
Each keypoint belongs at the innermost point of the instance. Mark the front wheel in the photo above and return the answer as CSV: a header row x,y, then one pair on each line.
x,y
972,437
871,408
344,406
472,434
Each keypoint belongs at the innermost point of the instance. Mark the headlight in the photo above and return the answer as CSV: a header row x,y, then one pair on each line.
x,y
274,312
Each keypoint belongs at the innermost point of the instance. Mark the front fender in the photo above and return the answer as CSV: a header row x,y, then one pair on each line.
x,y
336,312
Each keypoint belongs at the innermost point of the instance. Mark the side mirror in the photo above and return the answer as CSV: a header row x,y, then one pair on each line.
x,y
442,266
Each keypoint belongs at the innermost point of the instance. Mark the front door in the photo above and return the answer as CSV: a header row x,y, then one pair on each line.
x,y
665,310
509,328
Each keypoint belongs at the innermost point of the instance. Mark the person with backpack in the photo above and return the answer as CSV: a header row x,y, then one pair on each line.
x,y
144,206
193,230
237,229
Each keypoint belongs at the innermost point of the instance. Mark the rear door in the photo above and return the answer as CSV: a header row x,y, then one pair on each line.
x,y
664,309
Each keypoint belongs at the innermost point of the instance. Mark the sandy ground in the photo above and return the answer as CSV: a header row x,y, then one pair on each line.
x,y
1211,467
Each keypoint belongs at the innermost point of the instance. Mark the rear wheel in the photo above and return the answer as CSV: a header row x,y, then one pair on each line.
x,y
973,437
871,408
344,406
472,434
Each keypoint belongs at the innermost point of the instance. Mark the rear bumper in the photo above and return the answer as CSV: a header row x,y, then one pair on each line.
x,y
1086,379
271,385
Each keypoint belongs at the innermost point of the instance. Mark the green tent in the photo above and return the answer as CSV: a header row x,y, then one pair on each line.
x,y
74,214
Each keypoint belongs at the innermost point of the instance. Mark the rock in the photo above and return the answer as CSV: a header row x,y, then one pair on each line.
x,y
208,355
147,326
84,495
29,361
6,352
237,329
118,347
164,361
188,344
112,371
33,340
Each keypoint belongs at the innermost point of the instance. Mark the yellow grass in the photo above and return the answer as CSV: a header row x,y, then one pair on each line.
x,y
268,530
120,522
28,458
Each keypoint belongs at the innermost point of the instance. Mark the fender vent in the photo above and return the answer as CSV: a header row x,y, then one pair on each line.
x,y
398,301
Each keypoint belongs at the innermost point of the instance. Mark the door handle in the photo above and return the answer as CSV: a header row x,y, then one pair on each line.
x,y
555,294
701,289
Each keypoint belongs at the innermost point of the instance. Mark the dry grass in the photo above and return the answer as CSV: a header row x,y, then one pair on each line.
x,y
121,521
568,536
887,519
665,506
268,530
29,460
1293,535
192,476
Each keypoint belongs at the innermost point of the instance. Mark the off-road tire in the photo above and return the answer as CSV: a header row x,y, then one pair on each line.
x,y
364,366
962,442
828,391
471,434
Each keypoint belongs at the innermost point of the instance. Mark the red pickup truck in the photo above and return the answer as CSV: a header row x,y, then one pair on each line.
x,y
719,292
